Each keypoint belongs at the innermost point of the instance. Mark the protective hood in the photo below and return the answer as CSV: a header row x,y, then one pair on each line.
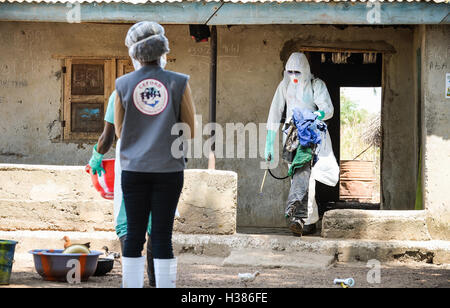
x,y
299,87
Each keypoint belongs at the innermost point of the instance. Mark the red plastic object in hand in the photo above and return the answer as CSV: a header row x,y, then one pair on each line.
x,y
104,184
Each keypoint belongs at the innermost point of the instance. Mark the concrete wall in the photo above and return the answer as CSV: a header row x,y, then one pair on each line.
x,y
399,126
436,129
62,198
249,70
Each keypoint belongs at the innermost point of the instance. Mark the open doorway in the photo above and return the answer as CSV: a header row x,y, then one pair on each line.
x,y
360,117
352,73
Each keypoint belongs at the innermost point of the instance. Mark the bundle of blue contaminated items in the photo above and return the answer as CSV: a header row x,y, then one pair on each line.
x,y
309,132
309,127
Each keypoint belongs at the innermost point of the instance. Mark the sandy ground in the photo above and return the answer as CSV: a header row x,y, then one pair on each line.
x,y
195,272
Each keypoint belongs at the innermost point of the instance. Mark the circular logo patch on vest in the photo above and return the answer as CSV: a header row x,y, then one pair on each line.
x,y
150,97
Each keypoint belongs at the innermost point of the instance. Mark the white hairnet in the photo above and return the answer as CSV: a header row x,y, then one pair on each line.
x,y
146,41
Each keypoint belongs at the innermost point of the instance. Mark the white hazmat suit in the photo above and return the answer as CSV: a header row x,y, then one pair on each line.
x,y
299,89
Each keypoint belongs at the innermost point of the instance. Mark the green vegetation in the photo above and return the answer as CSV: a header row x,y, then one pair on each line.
x,y
350,114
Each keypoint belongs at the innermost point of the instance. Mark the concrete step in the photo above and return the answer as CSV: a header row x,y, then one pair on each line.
x,y
376,225
278,259
222,246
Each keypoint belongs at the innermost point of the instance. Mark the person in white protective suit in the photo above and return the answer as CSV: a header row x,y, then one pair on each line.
x,y
299,89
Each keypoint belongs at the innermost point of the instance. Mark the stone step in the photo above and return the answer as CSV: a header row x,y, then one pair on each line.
x,y
223,246
376,225
278,259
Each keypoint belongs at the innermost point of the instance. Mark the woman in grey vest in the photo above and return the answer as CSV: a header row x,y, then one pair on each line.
x,y
149,102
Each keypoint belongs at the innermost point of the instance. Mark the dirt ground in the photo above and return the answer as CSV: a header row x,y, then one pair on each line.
x,y
213,275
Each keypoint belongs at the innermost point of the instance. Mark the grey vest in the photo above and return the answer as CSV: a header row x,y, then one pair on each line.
x,y
151,98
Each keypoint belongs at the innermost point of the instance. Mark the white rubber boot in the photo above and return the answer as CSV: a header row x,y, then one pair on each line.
x,y
133,272
166,273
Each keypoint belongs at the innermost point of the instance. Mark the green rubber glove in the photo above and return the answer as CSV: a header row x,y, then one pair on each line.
x,y
270,138
320,114
96,162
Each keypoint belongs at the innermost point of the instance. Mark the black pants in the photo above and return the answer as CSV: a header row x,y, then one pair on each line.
x,y
157,193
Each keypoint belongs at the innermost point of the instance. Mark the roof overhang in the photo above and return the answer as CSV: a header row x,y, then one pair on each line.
x,y
231,13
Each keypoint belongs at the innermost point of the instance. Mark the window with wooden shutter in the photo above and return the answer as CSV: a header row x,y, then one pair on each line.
x,y
88,83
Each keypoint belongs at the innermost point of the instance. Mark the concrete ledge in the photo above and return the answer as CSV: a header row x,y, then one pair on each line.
x,y
62,198
436,252
376,225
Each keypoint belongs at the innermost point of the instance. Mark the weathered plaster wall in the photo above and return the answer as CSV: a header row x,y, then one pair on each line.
x,y
399,120
436,130
31,85
249,70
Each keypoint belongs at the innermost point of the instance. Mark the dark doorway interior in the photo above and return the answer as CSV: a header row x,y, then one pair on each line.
x,y
350,70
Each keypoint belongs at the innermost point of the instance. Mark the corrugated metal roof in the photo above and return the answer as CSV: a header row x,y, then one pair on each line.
x,y
229,12
218,1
